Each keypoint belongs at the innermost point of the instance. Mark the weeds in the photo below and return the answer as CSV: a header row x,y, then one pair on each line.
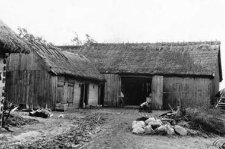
x,y
208,121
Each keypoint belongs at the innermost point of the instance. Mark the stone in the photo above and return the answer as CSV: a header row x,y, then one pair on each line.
x,y
161,128
184,124
148,129
180,130
155,123
169,130
149,120
140,124
138,130
133,123
192,132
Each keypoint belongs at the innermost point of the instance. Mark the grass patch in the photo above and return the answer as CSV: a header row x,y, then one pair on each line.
x,y
206,120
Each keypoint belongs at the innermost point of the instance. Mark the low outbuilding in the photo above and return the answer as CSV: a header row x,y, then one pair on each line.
x,y
52,78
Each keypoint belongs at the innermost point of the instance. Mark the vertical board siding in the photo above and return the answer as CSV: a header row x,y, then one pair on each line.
x,y
215,84
157,92
70,93
65,97
77,94
112,89
31,88
53,94
93,94
191,91
19,61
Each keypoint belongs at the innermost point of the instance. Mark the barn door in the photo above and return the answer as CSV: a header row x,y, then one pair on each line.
x,y
157,92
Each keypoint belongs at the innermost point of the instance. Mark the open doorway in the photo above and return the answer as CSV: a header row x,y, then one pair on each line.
x,y
84,94
135,89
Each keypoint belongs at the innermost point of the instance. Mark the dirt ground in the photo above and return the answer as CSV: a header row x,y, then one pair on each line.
x,y
115,132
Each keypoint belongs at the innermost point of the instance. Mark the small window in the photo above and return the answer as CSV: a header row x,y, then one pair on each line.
x,y
93,86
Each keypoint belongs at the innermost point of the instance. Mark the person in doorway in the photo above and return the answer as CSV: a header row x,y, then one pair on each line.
x,y
146,106
121,99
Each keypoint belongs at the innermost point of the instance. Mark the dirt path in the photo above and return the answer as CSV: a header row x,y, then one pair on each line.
x,y
46,128
115,133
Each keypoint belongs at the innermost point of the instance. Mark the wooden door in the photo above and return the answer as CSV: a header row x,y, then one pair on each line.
x,y
60,94
70,93
60,90
157,92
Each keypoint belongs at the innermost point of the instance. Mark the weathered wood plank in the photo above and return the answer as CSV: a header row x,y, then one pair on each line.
x,y
93,94
192,91
157,92
65,90
112,89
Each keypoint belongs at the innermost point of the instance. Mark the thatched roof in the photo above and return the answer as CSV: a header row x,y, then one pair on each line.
x,y
188,58
65,63
10,42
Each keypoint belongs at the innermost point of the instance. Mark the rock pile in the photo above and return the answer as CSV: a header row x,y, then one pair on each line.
x,y
159,126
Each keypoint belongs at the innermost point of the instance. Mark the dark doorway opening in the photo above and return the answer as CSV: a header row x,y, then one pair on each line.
x,y
84,94
102,94
135,89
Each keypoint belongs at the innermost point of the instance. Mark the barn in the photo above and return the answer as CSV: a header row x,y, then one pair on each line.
x,y
52,78
188,73
10,42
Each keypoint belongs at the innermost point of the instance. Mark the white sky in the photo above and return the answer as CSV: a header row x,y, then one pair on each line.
x,y
119,20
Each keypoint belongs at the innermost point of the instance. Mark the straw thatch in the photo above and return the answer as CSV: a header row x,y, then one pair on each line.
x,y
188,58
10,42
65,63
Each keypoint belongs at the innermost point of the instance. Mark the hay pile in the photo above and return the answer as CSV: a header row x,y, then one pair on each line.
x,y
17,120
206,121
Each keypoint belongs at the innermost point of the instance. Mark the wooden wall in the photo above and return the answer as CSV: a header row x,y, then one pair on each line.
x,y
2,79
93,94
77,94
27,82
68,90
215,84
157,92
19,61
192,91
112,89
30,87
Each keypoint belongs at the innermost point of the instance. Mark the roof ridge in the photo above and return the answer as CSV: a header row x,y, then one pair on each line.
x,y
189,43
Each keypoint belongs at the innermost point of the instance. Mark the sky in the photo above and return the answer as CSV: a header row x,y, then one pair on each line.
x,y
57,21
